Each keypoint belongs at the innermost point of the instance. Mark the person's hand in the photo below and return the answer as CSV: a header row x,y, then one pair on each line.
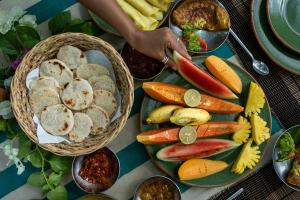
x,y
154,44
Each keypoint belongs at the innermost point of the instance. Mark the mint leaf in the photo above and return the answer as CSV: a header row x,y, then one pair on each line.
x,y
36,179
28,36
60,164
55,178
7,47
59,193
24,146
45,189
59,22
12,37
36,159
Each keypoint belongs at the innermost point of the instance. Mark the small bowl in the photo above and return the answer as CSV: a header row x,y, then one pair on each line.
x,y
174,188
96,197
282,168
91,187
214,40
142,59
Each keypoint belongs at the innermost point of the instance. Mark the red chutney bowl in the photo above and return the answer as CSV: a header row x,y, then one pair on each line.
x,y
141,67
96,172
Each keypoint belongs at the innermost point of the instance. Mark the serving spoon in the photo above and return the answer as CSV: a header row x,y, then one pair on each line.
x,y
258,66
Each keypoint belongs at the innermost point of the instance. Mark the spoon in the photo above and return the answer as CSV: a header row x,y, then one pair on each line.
x,y
258,66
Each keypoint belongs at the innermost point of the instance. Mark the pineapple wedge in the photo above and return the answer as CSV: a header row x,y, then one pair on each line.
x,y
260,132
255,101
242,135
248,158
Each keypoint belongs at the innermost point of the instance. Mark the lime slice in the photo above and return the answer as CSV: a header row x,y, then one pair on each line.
x,y
192,98
187,135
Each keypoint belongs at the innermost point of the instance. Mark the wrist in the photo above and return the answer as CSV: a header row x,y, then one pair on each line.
x,y
134,36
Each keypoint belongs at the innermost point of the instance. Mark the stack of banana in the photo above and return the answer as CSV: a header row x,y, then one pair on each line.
x,y
145,13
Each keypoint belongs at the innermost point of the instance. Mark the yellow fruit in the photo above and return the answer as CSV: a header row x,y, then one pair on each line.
x,y
161,114
190,116
248,158
255,101
260,132
243,134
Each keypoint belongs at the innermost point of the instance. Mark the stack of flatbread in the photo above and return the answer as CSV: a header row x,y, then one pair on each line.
x,y
73,97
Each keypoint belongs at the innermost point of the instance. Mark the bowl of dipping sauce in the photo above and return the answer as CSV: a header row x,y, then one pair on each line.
x,y
141,66
96,172
157,187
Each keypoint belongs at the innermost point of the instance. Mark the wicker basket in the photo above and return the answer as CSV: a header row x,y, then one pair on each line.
x,y
48,49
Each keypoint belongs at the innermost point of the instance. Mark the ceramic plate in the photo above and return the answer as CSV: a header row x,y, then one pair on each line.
x,y
170,168
108,28
281,55
284,19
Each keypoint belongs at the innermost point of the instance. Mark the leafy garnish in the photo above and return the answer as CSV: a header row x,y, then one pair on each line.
x,y
188,30
286,147
193,43
296,135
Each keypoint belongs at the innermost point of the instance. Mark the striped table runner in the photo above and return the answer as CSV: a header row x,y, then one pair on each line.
x,y
135,163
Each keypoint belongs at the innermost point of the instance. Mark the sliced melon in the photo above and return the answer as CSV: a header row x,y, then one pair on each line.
x,y
248,158
255,101
243,134
260,132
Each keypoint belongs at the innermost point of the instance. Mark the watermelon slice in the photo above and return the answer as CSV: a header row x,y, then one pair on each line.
x,y
200,149
201,79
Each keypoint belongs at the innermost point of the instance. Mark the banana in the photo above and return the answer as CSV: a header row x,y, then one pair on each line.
x,y
190,116
161,114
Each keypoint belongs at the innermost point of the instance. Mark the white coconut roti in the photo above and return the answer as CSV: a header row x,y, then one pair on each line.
x,y
86,71
103,82
58,70
100,119
78,94
57,119
72,56
82,127
105,100
42,98
45,81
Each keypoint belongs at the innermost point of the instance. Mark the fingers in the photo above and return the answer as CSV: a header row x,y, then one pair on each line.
x,y
172,64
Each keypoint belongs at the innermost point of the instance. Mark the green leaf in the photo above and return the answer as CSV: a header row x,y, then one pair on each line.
x,y
7,47
36,179
45,189
12,37
28,36
60,164
36,159
3,124
59,193
59,22
25,145
55,178
296,136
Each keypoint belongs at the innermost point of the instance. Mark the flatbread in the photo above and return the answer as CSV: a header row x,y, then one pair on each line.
x,y
78,94
103,82
42,98
82,127
105,100
86,71
57,120
72,56
58,70
45,81
100,119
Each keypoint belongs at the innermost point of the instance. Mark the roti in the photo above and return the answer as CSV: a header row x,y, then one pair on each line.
x,y
82,127
100,119
86,71
58,70
78,94
72,56
42,98
103,82
57,119
105,100
45,81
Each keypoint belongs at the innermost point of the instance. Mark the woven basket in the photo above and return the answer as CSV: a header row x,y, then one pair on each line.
x,y
48,49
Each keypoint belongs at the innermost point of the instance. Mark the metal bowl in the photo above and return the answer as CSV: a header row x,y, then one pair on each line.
x,y
175,189
96,197
90,187
213,39
282,168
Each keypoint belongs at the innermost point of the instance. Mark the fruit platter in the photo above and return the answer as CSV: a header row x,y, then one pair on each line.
x,y
206,125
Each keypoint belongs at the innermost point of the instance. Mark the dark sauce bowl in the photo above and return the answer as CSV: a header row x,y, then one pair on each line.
x,y
141,67
95,188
